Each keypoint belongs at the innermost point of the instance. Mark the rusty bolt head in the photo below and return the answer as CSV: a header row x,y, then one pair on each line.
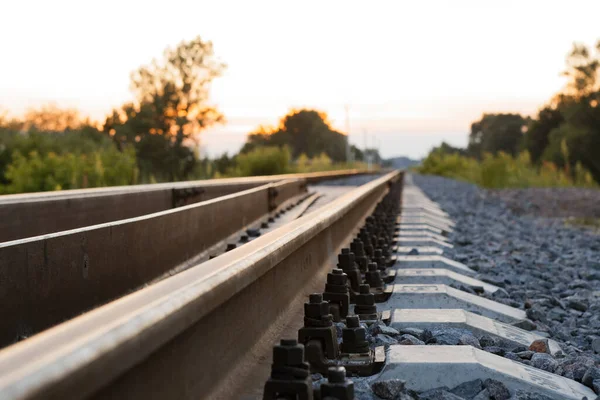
x,y
337,386
352,321
336,374
346,260
315,298
337,277
359,248
288,353
316,308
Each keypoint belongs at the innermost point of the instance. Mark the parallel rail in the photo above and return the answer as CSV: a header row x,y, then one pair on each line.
x,y
33,214
45,280
202,333
207,331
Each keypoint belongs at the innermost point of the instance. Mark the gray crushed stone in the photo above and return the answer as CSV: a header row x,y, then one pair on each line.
x,y
548,269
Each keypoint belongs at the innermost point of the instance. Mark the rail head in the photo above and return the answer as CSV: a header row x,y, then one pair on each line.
x,y
82,355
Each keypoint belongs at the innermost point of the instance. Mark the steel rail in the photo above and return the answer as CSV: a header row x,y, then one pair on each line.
x,y
33,214
199,333
48,279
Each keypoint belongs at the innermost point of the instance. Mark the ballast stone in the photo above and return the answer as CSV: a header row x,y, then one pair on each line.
x,y
446,297
440,276
480,326
428,367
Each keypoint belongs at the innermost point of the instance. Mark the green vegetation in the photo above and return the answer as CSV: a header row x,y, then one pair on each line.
x,y
53,150
263,161
170,111
305,132
560,146
273,160
504,171
153,138
588,222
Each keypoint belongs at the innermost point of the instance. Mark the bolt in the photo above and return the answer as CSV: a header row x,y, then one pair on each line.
x,y
336,374
347,264
365,303
288,353
316,311
359,252
264,225
336,293
337,386
244,239
230,246
379,259
290,374
253,232
372,276
352,321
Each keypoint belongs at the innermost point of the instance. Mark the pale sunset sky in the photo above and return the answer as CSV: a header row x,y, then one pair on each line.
x,y
413,73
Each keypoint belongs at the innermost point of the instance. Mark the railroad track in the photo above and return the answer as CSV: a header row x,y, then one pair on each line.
x,y
359,287
33,214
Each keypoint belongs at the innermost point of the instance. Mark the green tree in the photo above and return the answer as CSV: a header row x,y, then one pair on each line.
x,y
305,132
582,70
537,137
171,109
495,133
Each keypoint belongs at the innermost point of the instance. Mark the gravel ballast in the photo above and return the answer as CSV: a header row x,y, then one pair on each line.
x,y
548,269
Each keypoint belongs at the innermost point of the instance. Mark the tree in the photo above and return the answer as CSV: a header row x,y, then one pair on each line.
x,y
305,131
495,133
537,137
52,118
582,70
446,148
170,110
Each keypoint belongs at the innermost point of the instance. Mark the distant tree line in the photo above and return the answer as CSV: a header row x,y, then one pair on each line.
x,y
155,137
564,132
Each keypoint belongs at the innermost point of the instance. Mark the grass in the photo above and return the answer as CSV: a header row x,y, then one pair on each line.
x,y
503,171
586,222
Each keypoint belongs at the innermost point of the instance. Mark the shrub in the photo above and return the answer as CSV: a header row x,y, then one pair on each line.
x,y
269,160
38,172
503,171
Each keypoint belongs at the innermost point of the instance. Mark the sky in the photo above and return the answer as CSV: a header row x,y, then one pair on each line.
x,y
413,73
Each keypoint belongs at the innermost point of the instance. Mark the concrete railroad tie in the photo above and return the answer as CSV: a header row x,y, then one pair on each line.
x,y
422,298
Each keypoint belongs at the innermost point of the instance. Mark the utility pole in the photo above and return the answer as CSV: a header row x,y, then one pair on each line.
x,y
348,155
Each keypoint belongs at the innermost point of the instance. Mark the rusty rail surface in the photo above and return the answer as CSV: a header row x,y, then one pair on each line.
x,y
203,333
33,214
48,279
